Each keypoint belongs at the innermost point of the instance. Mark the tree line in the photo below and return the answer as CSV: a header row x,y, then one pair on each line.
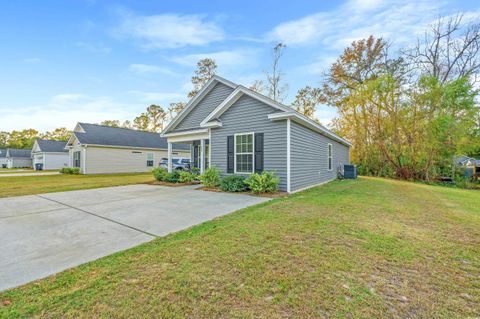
x,y
409,114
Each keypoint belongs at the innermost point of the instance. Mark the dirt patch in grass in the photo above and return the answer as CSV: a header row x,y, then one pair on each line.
x,y
278,194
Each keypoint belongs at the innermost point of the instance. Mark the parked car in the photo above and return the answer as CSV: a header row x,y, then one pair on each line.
x,y
178,163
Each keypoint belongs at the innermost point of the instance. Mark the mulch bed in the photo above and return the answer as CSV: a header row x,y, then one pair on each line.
x,y
277,194
171,184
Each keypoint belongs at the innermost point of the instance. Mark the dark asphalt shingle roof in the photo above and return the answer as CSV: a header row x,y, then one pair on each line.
x,y
19,152
114,136
52,146
3,152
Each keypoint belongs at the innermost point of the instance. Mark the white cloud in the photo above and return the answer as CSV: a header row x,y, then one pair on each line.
x,y
224,59
65,110
397,20
149,69
168,30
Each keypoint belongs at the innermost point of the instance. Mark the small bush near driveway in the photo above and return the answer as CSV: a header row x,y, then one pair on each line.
x,y
233,183
211,177
70,170
266,182
159,174
186,177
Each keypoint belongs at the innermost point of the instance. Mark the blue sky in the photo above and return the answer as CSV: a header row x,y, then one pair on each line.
x,y
68,61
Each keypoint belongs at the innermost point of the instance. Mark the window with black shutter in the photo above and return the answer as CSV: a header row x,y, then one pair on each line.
x,y
258,152
230,154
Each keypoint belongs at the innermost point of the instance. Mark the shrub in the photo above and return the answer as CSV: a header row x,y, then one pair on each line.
x,y
266,182
173,177
211,177
186,177
233,183
160,173
195,171
70,170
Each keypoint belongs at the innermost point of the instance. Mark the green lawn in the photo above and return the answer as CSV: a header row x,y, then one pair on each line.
x,y
369,248
28,185
16,170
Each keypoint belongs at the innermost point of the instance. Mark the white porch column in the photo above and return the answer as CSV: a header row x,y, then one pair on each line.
x,y
169,164
202,156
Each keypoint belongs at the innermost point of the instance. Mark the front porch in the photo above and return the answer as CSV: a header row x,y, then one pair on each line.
x,y
200,151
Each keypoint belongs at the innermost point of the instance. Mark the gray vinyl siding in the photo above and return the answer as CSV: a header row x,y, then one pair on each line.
x,y
19,162
250,115
309,157
209,102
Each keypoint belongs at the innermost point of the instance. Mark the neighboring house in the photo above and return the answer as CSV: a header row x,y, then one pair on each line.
x,y
3,158
49,154
470,164
99,149
240,131
19,158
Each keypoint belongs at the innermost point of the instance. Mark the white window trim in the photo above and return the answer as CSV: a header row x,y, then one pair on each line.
x,y
329,157
153,159
235,153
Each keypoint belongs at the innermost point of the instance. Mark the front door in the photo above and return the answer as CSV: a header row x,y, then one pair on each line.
x,y
197,153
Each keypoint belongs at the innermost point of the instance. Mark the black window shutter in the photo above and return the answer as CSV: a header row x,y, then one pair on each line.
x,y
258,152
230,154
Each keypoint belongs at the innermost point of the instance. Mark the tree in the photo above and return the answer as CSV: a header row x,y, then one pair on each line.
x,y
276,90
127,124
306,101
23,138
4,137
343,85
141,122
402,126
258,86
175,108
206,68
449,50
157,118
59,134
112,123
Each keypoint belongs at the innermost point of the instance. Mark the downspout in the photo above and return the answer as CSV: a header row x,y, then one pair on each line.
x,y
288,156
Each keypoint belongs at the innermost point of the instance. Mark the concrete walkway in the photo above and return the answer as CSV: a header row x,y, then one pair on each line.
x,y
28,174
44,234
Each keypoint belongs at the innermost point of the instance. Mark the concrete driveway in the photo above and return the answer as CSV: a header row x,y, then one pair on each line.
x,y
44,234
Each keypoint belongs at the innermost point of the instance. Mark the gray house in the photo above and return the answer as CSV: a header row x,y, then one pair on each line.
x,y
19,158
49,154
3,158
99,149
240,131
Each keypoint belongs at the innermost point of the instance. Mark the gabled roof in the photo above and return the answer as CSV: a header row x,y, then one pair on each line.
x,y
50,146
19,152
3,152
212,120
197,98
101,135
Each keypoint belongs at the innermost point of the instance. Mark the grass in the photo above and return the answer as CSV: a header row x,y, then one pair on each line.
x,y
15,170
22,171
29,185
370,248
